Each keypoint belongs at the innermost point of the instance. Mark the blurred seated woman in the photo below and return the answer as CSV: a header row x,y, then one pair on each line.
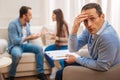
x,y
60,37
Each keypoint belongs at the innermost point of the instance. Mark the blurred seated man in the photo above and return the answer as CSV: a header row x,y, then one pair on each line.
x,y
19,35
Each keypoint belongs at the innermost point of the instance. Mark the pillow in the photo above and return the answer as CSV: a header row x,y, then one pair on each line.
x,y
46,38
36,29
48,41
3,45
42,40
37,41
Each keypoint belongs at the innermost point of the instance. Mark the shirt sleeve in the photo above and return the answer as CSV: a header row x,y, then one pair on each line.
x,y
13,34
106,54
75,43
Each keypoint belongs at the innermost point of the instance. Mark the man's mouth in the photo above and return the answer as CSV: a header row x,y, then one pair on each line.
x,y
90,30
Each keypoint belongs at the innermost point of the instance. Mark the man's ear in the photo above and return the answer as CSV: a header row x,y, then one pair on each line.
x,y
24,16
102,16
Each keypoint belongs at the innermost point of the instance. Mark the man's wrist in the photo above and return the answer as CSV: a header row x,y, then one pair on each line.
x,y
74,30
77,57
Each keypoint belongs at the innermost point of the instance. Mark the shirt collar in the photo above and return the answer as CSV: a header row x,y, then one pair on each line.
x,y
102,28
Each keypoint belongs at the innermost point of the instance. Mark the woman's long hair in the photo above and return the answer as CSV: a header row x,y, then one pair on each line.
x,y
60,22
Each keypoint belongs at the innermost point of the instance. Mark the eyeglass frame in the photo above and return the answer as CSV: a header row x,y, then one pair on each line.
x,y
91,19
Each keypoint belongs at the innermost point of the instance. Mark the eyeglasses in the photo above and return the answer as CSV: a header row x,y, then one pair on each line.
x,y
91,19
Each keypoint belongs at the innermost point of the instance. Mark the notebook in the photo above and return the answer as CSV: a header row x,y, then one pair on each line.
x,y
58,54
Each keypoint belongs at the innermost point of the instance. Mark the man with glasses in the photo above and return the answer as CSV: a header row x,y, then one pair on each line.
x,y
101,38
19,36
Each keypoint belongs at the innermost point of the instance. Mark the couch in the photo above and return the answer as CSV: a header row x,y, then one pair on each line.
x,y
82,73
27,65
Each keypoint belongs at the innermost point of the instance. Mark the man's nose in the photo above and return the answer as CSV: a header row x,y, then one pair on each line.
x,y
89,23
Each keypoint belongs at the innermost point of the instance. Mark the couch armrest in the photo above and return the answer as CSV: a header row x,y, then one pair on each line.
x,y
83,52
82,73
3,45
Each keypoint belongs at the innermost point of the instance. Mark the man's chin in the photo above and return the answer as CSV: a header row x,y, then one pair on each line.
x,y
91,32
28,21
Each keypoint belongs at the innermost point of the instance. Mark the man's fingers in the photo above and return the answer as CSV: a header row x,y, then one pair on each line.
x,y
81,17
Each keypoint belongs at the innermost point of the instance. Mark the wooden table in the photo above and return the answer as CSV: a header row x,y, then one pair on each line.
x,y
4,62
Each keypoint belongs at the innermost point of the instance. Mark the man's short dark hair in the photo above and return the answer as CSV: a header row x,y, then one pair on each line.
x,y
23,10
91,6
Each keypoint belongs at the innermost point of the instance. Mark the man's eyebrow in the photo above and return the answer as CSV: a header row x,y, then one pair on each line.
x,y
91,16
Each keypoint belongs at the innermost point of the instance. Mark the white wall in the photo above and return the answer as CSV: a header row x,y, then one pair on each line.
x,y
42,9
9,10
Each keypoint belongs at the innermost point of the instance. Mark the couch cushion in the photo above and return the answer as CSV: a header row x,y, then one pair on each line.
x,y
26,57
22,67
27,63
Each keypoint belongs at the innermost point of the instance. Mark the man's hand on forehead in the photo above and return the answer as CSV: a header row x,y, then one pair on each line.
x,y
81,17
